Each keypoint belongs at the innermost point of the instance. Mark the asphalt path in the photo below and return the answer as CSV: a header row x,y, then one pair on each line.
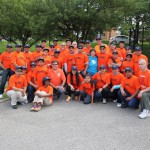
x,y
73,126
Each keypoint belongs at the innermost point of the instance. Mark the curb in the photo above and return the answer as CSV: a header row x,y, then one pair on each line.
x,y
4,100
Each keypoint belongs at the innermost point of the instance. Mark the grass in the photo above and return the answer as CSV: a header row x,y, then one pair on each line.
x,y
146,47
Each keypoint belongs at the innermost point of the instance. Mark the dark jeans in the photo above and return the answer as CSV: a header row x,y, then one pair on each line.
x,y
6,73
114,95
69,91
58,92
86,97
103,94
12,72
134,102
30,90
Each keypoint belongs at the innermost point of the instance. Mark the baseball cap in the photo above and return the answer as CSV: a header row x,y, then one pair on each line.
x,y
33,64
115,52
52,45
8,46
80,47
138,48
115,67
18,67
56,51
74,68
128,47
27,46
102,67
38,45
98,38
40,58
71,46
129,54
45,49
87,41
23,67
18,45
128,69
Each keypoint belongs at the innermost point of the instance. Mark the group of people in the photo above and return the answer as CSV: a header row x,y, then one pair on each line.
x,y
102,73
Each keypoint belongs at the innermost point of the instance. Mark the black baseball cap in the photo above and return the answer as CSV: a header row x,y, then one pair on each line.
x,y
8,46
102,67
40,58
128,69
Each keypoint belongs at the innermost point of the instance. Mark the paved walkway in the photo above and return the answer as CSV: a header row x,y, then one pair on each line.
x,y
73,126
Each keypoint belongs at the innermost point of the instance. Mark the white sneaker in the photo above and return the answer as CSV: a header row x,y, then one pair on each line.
x,y
115,100
104,101
144,114
118,104
1,95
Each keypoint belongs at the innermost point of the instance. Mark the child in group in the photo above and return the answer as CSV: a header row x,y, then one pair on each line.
x,y
74,80
43,95
87,90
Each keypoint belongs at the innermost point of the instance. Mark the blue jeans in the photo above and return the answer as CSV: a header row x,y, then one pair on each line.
x,y
104,94
132,103
58,92
86,97
30,90
6,73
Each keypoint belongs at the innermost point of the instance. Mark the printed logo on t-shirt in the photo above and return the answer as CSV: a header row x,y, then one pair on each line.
x,y
58,74
93,62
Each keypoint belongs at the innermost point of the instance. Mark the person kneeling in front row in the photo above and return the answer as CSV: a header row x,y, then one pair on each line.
x,y
17,88
43,95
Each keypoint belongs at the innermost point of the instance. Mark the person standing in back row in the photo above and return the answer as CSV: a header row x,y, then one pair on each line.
x,y
5,64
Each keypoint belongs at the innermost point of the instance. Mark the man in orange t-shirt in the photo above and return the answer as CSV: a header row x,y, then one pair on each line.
x,y
16,89
136,57
114,60
31,88
81,61
5,64
55,42
17,58
115,78
51,52
68,43
121,48
57,58
37,53
102,79
99,43
144,95
69,60
129,90
40,72
103,56
87,48
58,79
28,55
74,44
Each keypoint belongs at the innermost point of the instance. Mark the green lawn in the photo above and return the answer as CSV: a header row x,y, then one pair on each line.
x,y
146,49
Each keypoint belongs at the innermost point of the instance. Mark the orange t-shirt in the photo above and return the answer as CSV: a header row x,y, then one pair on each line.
x,y
48,89
101,79
18,82
56,77
17,58
86,50
127,64
63,54
39,73
47,59
60,61
5,59
97,48
130,84
118,62
121,50
70,60
80,60
116,79
29,59
136,63
30,76
144,79
87,88
36,55
74,81
103,58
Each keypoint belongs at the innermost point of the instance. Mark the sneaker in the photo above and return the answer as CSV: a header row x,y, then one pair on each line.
x,y
68,99
118,104
115,100
14,106
144,114
1,95
124,105
104,101
38,108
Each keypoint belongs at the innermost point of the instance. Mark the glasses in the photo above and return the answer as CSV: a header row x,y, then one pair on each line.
x,y
62,45
54,64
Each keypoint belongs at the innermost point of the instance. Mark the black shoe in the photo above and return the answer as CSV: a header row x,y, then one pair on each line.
x,y
136,107
14,106
124,105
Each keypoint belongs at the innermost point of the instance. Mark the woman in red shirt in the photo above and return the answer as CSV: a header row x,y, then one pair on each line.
x,y
74,80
